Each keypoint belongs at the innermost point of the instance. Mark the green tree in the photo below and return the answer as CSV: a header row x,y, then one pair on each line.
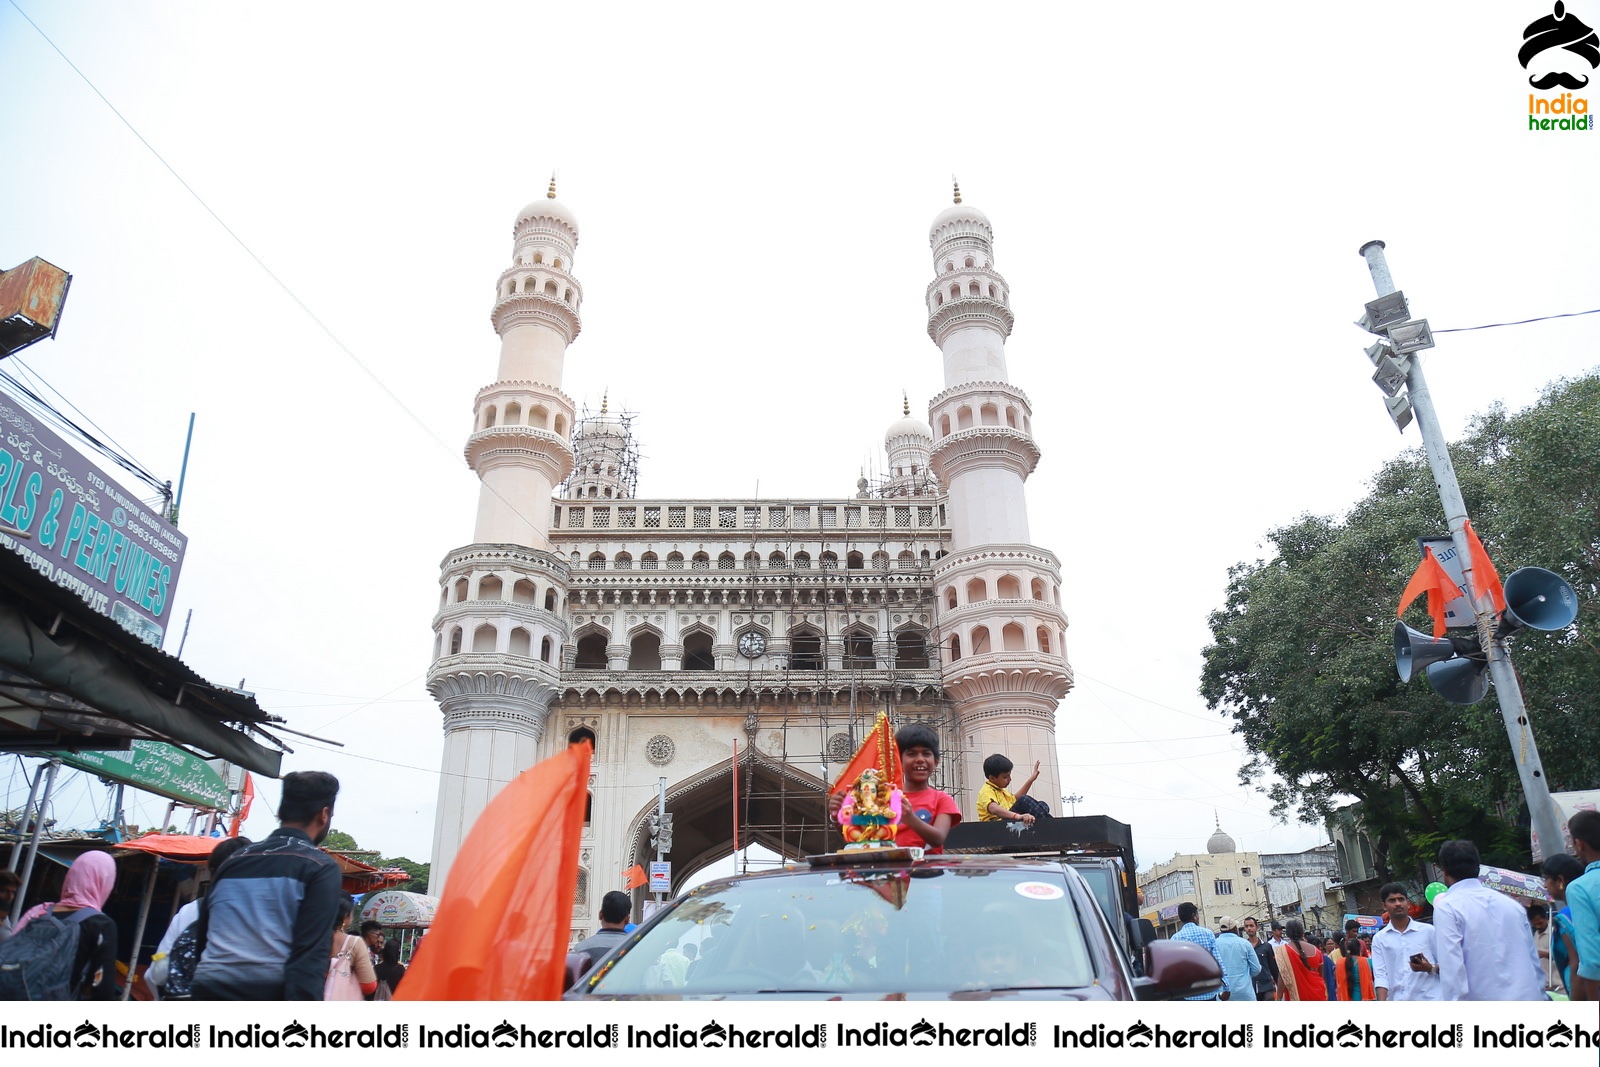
x,y
1302,659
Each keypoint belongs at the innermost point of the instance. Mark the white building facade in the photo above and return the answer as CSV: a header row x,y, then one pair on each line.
x,y
739,645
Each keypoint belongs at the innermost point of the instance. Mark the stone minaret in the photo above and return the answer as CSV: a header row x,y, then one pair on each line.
x,y
1000,620
500,627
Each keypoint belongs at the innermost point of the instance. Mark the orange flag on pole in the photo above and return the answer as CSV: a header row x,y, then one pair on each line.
x,y
1484,576
246,798
878,750
634,877
501,929
1430,577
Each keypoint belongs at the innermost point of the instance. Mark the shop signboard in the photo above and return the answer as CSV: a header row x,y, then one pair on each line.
x,y
82,530
156,767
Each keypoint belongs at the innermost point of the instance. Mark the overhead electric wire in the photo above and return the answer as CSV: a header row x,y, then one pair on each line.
x,y
1519,322
90,439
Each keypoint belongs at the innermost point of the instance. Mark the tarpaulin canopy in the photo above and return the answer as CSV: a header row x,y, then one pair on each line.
x,y
71,678
398,909
364,877
183,848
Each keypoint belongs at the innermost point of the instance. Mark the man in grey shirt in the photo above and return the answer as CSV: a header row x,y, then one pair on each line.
x,y
615,908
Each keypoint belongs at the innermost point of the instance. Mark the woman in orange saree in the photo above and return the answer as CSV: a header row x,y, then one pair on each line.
x,y
1300,964
1354,973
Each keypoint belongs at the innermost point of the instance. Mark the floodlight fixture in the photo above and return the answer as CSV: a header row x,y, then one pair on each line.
x,y
1384,311
1399,410
1392,373
1411,337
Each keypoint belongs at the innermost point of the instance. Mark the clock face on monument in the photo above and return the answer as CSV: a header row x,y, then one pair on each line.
x,y
752,643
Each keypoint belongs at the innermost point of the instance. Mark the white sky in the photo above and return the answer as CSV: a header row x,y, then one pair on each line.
x,y
1178,192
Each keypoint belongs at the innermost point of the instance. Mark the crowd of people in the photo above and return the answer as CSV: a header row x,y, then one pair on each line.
x,y
1481,945
275,924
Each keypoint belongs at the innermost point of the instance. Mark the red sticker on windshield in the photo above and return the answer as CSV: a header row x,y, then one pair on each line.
x,y
1040,891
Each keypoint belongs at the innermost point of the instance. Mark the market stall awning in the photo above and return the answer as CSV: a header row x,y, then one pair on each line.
x,y
71,678
183,848
363,877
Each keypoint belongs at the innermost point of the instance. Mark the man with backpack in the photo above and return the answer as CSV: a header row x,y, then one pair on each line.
x,y
62,947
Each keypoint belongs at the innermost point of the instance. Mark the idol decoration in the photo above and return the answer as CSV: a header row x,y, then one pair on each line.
x,y
870,814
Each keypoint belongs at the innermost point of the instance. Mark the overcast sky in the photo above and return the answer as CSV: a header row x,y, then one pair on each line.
x,y
1178,192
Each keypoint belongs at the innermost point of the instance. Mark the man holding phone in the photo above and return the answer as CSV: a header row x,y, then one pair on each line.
x,y
1403,952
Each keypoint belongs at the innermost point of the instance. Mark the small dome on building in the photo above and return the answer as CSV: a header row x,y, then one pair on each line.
x,y
550,208
958,211
1219,842
908,426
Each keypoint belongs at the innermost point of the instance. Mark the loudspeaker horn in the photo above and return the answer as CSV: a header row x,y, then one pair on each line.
x,y
1415,650
1539,599
1460,681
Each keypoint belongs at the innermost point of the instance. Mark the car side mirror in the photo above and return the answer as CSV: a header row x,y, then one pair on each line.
x,y
1145,931
1177,969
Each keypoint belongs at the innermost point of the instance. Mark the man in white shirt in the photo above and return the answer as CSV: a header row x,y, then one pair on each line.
x,y
1403,952
1485,945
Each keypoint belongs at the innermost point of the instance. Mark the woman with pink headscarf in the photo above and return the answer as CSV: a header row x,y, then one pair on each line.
x,y
87,886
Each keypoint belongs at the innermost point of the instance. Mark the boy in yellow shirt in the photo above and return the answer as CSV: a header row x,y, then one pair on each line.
x,y
995,803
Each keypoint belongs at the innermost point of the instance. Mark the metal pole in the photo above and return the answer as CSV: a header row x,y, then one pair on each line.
x,y
661,828
33,838
1508,691
138,930
16,846
183,472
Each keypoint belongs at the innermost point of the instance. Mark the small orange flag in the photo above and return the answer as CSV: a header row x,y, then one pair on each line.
x,y
246,799
501,928
878,750
1430,577
634,877
1484,576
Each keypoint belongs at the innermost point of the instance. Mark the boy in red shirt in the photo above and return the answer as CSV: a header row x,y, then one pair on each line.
x,y
926,813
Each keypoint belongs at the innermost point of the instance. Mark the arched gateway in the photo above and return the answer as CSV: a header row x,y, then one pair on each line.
x,y
677,633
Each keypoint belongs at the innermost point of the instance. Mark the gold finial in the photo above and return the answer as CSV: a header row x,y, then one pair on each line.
x,y
905,403
952,182
605,400
552,193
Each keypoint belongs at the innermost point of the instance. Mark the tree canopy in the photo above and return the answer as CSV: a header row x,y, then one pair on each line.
x,y
1302,657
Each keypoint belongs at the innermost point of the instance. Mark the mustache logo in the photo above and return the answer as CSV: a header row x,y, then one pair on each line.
x,y
1561,78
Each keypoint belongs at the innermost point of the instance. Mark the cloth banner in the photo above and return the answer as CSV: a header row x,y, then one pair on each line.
x,y
1430,578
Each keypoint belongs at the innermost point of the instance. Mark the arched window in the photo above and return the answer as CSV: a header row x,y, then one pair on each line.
x,y
648,561
775,561
1009,588
597,561
805,651
701,562
955,648
910,650
460,589
752,561
489,587
549,288
830,562
964,418
853,561
591,653
858,652
644,653
483,638
549,600
989,415
977,590
455,641
521,643
697,653
546,646
523,592
513,414
907,561
944,425
1037,588
980,641
622,561
950,597
880,560
1012,638
802,561
488,416
725,562
1044,640
674,561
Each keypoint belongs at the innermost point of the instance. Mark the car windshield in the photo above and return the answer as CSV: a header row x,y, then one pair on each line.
x,y
843,930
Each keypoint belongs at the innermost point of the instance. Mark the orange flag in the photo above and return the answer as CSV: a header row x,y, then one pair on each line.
x,y
634,877
1484,576
247,798
878,750
501,928
1430,577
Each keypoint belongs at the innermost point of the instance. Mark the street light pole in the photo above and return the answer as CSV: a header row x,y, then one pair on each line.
x,y
1508,691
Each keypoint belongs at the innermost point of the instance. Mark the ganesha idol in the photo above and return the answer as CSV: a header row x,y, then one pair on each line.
x,y
870,814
